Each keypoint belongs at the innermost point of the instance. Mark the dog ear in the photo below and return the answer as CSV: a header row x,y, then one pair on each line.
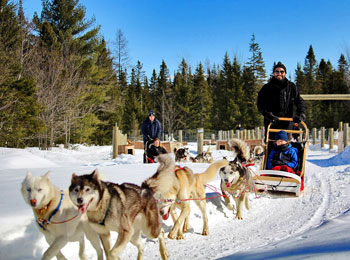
x,y
74,176
47,175
28,175
95,175
175,149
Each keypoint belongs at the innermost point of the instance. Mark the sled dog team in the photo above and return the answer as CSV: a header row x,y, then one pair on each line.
x,y
94,207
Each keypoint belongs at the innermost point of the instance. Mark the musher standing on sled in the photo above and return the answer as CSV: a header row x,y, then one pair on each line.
x,y
277,99
151,129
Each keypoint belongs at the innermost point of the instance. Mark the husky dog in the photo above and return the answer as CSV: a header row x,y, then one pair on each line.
x,y
204,157
126,208
57,217
236,179
171,184
182,154
257,153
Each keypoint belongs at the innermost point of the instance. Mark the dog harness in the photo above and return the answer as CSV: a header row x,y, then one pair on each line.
x,y
43,222
104,219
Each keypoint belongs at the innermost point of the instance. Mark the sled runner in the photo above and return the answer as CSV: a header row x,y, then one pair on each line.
x,y
272,180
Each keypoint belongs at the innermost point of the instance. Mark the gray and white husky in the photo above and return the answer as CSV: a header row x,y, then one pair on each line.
x,y
126,208
236,180
57,217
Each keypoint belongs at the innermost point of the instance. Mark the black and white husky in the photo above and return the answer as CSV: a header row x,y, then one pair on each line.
x,y
125,208
236,180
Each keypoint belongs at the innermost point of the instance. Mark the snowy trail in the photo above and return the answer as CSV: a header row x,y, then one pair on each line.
x,y
272,220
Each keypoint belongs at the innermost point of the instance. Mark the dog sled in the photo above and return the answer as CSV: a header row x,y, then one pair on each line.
x,y
281,181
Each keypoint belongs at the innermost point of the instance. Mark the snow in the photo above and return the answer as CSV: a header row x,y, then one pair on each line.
x,y
313,226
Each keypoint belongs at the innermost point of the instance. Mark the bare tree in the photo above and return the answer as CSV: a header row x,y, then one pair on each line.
x,y
122,58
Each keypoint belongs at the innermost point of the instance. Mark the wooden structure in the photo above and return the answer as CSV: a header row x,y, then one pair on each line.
x,y
120,143
126,149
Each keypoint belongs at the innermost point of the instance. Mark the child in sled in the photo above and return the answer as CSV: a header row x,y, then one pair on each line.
x,y
154,150
283,156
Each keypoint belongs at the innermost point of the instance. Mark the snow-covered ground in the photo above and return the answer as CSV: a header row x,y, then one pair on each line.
x,y
314,226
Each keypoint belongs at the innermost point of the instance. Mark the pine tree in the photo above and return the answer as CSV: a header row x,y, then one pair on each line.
x,y
163,99
202,103
66,45
182,94
314,116
256,64
18,105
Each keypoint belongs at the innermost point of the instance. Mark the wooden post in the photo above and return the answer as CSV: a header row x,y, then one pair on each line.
x,y
213,138
237,134
346,135
257,133
180,136
245,134
314,137
340,127
253,136
220,135
166,137
200,138
231,134
115,141
323,136
248,135
331,138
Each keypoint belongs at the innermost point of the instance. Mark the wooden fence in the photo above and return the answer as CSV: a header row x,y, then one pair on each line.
x,y
252,136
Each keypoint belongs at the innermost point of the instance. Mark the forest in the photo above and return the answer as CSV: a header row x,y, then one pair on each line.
x,y
60,82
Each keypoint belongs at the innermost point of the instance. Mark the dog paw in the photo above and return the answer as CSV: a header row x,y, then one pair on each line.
x,y
229,206
171,236
165,254
180,237
240,217
205,233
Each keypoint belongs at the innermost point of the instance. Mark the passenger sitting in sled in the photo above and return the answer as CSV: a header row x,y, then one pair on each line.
x,y
154,150
283,156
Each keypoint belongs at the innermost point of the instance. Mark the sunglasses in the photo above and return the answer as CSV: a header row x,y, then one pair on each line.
x,y
279,71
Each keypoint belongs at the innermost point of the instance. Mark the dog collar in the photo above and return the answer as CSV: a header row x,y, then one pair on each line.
x,y
43,222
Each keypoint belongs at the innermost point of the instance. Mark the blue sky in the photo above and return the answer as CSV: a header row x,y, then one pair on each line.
x,y
202,31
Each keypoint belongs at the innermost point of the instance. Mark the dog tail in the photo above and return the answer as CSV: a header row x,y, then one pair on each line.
x,y
211,171
163,179
241,148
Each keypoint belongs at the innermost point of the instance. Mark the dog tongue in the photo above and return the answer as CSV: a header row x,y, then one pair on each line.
x,y
166,216
228,185
82,209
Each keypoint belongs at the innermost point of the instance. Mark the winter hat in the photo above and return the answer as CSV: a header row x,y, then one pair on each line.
x,y
280,65
151,113
281,135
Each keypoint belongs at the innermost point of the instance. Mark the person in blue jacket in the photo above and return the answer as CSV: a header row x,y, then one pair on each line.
x,y
283,156
151,129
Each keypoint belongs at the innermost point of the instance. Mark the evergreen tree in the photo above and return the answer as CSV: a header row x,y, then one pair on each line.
x,y
163,98
256,64
182,94
201,104
314,116
66,48
19,123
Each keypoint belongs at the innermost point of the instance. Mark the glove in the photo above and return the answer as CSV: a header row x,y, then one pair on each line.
x,y
299,118
276,162
273,119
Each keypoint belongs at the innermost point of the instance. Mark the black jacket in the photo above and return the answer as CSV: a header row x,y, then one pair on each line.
x,y
280,97
151,130
154,151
